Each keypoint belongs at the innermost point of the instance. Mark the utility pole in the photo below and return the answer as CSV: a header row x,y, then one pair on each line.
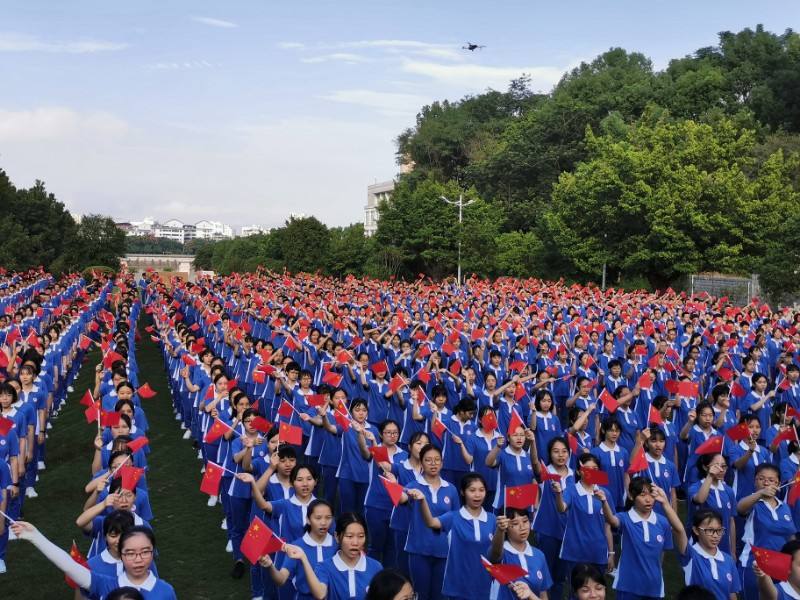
x,y
461,204
603,285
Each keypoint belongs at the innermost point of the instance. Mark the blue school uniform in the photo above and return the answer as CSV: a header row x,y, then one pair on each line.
x,y
291,515
152,588
316,552
512,469
533,561
614,461
744,478
547,427
721,498
584,532
629,424
717,573
766,527
643,543
696,437
479,446
345,583
664,474
421,539
469,538
105,564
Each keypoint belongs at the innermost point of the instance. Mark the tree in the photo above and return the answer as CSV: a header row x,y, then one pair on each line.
x,y
519,254
97,241
348,250
304,244
152,245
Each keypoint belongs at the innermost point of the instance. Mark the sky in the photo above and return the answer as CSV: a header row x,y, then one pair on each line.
x,y
246,111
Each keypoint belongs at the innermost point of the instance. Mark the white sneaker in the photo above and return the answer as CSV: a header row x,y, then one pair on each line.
x,y
31,493
40,465
229,547
199,455
212,501
49,425
178,417
224,525
187,434
2,566
257,598
70,389
183,427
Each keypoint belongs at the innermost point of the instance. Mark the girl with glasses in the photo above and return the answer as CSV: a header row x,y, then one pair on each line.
x,y
704,562
712,493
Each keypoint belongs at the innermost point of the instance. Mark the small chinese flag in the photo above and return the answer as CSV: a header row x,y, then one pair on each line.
x,y
785,384
645,381
110,358
137,444
712,445
515,422
379,453
655,416
517,365
211,479
522,496
394,489
332,379
87,399
438,428
739,432
789,434
608,401
290,434
315,400
455,367
489,421
546,475
259,376
291,344
260,424
396,383
145,391
688,389
424,375
379,368
5,425
109,419
573,443
341,419
84,342
255,541
216,431
232,384
792,412
504,574
285,409
519,392
737,390
638,463
130,476
92,413
594,476
210,392
672,386
75,554
188,360
775,564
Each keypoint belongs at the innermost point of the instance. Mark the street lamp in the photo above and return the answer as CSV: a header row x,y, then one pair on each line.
x,y
461,204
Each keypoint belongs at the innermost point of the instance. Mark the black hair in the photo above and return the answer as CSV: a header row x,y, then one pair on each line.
x,y
428,448
703,461
347,519
695,592
118,521
125,593
286,451
791,547
583,573
356,402
469,478
767,467
386,584
703,515
312,506
135,530
517,512
553,442
541,395
606,424
636,487
297,468
386,423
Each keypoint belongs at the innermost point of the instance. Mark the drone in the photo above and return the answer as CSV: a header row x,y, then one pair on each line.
x,y
472,47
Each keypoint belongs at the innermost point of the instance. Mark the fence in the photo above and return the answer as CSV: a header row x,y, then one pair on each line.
x,y
739,290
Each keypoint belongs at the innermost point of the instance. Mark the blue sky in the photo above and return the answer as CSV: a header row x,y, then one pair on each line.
x,y
246,111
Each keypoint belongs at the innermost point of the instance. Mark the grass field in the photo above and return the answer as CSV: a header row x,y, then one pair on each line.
x,y
190,542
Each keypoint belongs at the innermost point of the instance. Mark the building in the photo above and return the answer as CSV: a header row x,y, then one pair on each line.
x,y
170,230
178,231
376,193
248,230
212,230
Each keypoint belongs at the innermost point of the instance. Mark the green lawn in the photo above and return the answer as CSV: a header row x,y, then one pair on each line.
x,y
190,542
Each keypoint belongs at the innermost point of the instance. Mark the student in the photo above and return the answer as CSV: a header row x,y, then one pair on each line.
x,y
712,493
477,446
587,537
317,544
427,551
644,535
614,460
390,584
769,523
108,562
407,471
544,421
513,464
347,574
746,456
698,428
705,563
587,582
759,401
513,530
660,470
469,531
136,547
785,590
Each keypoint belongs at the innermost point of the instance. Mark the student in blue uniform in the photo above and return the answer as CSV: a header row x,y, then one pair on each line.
x,y
136,547
705,563
317,543
512,462
353,472
544,421
784,590
644,535
109,560
614,460
587,582
769,523
345,575
746,456
469,531
477,447
712,493
510,546
587,537
427,550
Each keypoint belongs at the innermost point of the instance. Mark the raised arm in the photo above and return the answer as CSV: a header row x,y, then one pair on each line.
x,y
61,559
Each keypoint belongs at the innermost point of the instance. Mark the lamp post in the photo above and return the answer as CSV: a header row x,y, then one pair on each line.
x,y
461,204
603,285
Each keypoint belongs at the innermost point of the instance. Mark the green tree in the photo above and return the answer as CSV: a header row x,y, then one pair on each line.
x,y
304,244
97,241
519,254
152,245
348,250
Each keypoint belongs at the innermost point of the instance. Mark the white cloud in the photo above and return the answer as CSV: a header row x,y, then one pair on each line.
x,y
416,47
291,45
54,123
174,66
215,22
389,103
481,76
346,57
22,42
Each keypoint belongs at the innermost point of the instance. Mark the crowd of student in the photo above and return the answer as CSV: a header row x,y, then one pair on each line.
x,y
503,439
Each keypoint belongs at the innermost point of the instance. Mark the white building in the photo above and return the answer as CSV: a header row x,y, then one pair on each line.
x,y
376,193
170,230
248,230
212,230
179,231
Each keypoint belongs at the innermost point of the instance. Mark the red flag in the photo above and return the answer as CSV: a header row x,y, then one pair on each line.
x,y
379,367
608,401
188,360
5,425
725,374
259,376
424,375
211,479
396,383
645,381
92,413
671,385
594,476
546,475
379,453
87,399
342,419
315,400
109,419
291,344
395,490
573,443
638,463
217,430
712,445
655,416
145,391
285,409
438,428
688,389
255,541
489,421
737,390
739,432
792,412
517,365
232,383
130,476
522,496
785,384
260,424
789,434
137,444
84,342
291,434
455,367
504,574
515,422
110,358
75,554
774,564
332,379
794,491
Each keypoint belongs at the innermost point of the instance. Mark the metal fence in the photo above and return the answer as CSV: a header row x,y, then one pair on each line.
x,y
739,290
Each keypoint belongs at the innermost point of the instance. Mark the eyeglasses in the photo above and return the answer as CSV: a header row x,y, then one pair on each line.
x,y
432,461
767,480
391,433
131,554
710,531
